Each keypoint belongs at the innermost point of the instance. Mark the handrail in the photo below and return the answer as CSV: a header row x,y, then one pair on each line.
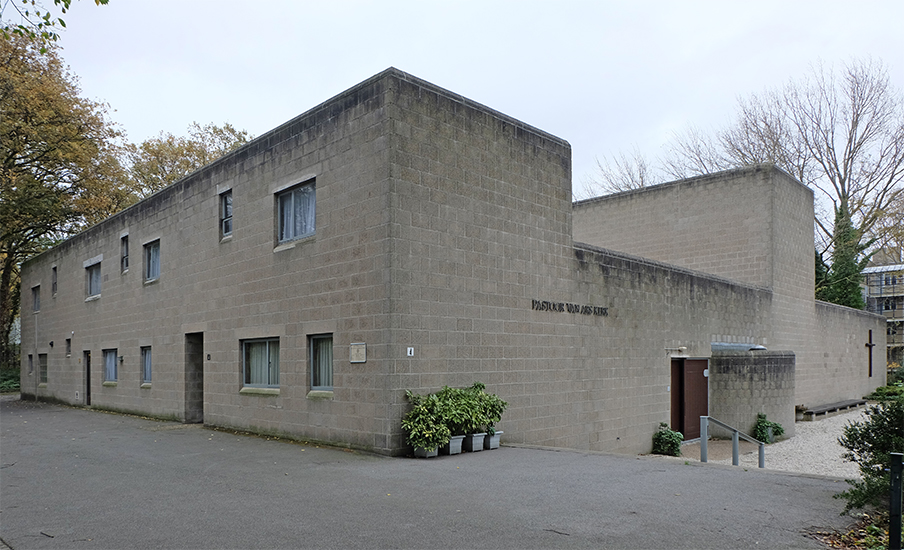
x,y
735,435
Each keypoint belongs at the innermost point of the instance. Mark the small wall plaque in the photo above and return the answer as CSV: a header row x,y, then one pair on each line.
x,y
357,352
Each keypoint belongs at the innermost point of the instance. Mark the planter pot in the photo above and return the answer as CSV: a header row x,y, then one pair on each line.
x,y
492,441
420,452
453,447
474,442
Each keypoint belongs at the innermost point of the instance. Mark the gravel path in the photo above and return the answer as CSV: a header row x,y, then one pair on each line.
x,y
814,449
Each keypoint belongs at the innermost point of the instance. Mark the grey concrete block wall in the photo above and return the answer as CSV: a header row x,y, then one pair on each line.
x,y
743,384
439,223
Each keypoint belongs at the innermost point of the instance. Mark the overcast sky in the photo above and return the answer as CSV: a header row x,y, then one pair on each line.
x,y
606,76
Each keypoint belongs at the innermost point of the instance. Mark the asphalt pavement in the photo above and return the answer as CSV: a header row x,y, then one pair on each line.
x,y
81,479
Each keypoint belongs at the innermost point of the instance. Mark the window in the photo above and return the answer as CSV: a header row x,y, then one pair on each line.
x,y
261,362
226,213
36,298
296,212
68,347
146,365
110,365
53,280
152,260
321,362
93,273
124,253
42,368
31,364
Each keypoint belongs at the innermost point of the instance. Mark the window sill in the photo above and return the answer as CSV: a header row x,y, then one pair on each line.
x,y
146,386
260,391
92,298
124,271
320,394
226,238
42,385
289,245
110,384
151,281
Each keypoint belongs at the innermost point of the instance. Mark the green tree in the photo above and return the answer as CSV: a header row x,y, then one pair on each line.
x,y
166,159
59,167
842,282
37,23
870,443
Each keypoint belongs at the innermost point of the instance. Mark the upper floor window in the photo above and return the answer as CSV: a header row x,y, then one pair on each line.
x,y
53,280
296,212
36,298
226,213
93,275
152,260
124,253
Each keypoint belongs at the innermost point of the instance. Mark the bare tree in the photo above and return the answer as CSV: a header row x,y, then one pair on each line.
x,y
843,136
621,173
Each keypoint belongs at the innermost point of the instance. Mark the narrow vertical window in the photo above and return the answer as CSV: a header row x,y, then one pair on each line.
x,y
110,371
93,275
31,365
321,362
68,347
124,253
226,213
152,261
146,365
261,363
297,209
36,298
53,280
42,368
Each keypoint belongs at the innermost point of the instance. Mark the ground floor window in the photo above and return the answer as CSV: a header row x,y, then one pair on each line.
x,y
321,347
260,363
146,365
42,367
110,371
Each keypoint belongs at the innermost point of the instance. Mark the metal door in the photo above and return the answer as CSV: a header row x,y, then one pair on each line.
x,y
690,395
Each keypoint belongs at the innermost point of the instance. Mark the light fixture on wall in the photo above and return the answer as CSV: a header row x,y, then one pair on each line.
x,y
51,343
120,358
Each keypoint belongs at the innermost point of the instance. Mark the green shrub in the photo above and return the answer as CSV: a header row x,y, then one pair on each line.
x,y
884,393
869,443
667,441
761,429
9,380
424,424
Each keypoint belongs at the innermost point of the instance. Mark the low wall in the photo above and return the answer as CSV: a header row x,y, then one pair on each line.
x,y
744,383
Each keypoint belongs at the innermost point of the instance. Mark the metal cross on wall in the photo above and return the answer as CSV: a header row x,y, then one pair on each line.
x,y
870,345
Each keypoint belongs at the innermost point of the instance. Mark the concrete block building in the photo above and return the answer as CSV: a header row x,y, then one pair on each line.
x,y
399,236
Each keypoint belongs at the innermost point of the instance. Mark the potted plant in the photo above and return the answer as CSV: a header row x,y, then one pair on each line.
x,y
493,407
474,419
425,428
454,412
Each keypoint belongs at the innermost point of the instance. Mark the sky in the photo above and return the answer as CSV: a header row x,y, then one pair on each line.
x,y
608,77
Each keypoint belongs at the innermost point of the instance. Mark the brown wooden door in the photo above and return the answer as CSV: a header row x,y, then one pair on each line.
x,y
690,395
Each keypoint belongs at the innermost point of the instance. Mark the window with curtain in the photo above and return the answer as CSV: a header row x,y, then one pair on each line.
x,y
36,298
146,365
296,212
110,365
93,274
321,362
152,261
261,362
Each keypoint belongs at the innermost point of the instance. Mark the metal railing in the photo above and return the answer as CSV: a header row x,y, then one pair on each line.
x,y
735,444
